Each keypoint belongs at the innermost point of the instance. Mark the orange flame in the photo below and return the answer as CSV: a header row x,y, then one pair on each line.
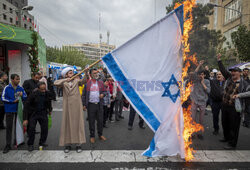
x,y
190,126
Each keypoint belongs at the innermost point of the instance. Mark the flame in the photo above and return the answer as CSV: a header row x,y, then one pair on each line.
x,y
190,126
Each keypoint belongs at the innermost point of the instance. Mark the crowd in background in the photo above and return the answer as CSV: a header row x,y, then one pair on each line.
x,y
98,95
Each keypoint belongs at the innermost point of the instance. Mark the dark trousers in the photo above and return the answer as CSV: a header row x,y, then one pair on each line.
x,y
95,113
246,119
132,117
216,107
105,114
10,119
231,124
60,91
2,113
42,118
118,108
111,110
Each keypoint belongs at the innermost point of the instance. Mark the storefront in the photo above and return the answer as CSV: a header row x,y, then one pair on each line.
x,y
14,46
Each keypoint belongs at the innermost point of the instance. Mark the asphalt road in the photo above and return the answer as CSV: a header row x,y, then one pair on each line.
x,y
120,138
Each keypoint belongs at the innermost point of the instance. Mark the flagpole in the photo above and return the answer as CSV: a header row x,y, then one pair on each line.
x,y
86,69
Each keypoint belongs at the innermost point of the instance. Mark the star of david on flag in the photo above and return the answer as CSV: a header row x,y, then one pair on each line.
x,y
167,92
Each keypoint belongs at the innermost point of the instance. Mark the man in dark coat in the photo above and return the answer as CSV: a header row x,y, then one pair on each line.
x,y
31,84
37,108
216,94
235,89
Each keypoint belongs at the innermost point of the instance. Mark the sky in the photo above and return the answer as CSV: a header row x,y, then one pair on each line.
x,y
77,21
63,22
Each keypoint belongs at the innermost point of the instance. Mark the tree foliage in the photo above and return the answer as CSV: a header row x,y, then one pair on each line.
x,y
203,42
241,42
67,55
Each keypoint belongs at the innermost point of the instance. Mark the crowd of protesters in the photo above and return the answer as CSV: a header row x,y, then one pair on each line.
x,y
225,91
98,95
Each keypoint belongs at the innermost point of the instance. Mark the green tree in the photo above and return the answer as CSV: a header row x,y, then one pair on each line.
x,y
241,42
203,42
67,55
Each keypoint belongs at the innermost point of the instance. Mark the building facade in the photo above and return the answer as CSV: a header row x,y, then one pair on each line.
x,y
11,13
226,18
93,51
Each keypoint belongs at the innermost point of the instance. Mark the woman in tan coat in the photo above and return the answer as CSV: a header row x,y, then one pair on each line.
x,y
72,127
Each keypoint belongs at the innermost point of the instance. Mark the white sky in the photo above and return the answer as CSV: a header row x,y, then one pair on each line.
x,y
73,21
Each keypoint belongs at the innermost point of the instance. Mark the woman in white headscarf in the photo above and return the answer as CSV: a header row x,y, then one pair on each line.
x,y
72,127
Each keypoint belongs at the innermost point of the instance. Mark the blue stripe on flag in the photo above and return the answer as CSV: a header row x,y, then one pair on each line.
x,y
151,148
179,13
130,92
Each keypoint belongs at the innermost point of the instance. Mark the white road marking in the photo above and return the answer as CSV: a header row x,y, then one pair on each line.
x,y
22,156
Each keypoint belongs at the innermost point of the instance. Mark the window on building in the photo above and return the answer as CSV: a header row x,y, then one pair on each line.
x,y
231,11
227,35
11,20
17,23
11,10
4,7
25,17
16,4
4,17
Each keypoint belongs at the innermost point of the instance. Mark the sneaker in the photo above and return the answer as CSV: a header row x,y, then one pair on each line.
x,y
30,148
130,128
6,149
121,117
78,149
67,149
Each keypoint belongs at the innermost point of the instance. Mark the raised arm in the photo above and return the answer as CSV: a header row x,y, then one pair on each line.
x,y
199,66
59,82
224,72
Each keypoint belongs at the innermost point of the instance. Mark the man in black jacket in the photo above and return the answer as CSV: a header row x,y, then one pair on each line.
x,y
37,108
216,94
31,84
246,121
235,88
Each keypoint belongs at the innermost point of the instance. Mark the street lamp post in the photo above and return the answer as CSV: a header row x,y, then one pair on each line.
x,y
219,6
216,5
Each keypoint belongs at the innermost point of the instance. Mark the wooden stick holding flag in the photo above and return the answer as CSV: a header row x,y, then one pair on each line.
x,y
86,69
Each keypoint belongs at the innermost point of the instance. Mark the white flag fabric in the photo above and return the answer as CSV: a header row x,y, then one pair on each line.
x,y
19,123
148,68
